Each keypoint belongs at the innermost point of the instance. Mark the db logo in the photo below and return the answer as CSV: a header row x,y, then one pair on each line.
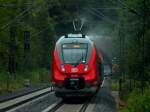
x,y
74,70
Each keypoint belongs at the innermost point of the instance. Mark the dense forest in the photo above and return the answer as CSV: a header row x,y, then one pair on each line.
x,y
30,28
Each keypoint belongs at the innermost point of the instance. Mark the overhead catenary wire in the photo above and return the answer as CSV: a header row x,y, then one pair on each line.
x,y
125,6
99,15
37,33
128,8
93,13
22,14
12,5
19,15
99,12
41,31
107,8
96,6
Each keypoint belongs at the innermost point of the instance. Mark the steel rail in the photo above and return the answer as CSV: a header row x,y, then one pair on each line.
x,y
56,106
14,102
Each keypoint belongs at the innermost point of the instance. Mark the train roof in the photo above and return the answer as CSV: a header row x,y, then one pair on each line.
x,y
77,38
74,38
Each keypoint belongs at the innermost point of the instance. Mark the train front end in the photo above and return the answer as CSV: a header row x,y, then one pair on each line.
x,y
75,70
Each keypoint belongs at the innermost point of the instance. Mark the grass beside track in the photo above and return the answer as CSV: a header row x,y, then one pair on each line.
x,y
12,82
115,85
137,102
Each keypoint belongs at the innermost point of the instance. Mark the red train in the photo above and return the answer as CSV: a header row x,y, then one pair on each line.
x,y
76,66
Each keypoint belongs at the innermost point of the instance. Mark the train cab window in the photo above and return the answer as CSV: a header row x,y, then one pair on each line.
x,y
74,53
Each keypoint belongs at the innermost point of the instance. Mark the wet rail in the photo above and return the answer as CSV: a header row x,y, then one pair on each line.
x,y
21,99
70,106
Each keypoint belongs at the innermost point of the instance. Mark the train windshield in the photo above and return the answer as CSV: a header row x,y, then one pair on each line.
x,y
74,53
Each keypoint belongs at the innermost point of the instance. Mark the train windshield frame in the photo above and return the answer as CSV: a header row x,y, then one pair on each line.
x,y
74,53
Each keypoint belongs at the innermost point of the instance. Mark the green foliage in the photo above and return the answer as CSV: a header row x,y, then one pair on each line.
x,y
37,76
115,85
33,18
137,102
132,28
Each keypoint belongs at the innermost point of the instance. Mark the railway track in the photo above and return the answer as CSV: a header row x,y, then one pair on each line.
x,y
62,106
11,103
44,100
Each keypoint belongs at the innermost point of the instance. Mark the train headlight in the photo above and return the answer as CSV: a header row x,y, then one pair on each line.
x,y
62,68
86,68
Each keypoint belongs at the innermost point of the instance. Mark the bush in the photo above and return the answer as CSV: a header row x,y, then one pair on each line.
x,y
11,83
115,85
138,102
